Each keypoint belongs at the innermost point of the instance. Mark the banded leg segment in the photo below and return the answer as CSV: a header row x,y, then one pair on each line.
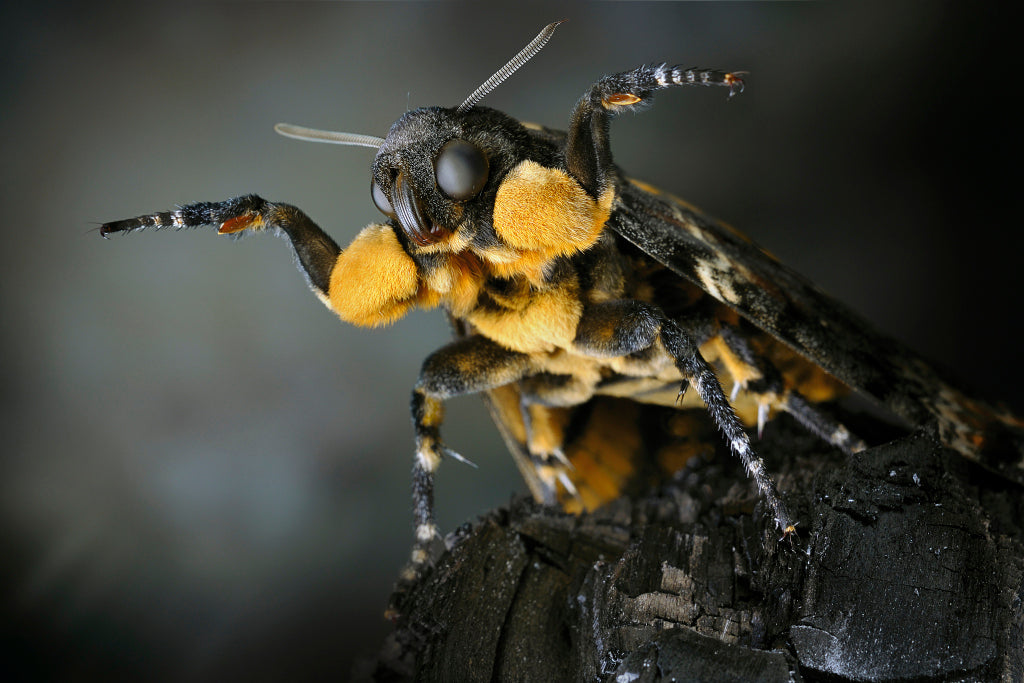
x,y
618,328
469,365
821,425
702,378
768,385
315,250
588,154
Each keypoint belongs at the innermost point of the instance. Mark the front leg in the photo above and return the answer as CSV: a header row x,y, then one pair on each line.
x,y
315,250
371,283
588,154
620,328
467,366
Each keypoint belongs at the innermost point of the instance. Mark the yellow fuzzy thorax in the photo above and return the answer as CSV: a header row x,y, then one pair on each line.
x,y
539,214
544,211
373,282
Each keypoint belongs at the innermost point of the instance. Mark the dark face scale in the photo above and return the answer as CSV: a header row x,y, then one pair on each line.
x,y
438,171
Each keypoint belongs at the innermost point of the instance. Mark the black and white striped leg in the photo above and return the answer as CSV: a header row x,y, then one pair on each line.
x,y
772,389
588,154
619,328
428,413
701,377
466,366
820,424
315,251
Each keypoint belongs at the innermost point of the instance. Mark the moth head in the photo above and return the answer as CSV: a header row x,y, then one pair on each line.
x,y
437,171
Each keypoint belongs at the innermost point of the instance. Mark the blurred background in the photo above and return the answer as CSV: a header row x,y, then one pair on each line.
x,y
204,474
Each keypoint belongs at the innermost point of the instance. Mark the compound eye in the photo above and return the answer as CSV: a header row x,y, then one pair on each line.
x,y
461,170
380,200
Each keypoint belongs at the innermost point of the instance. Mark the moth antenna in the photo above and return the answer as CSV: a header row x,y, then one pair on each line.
x,y
504,72
314,135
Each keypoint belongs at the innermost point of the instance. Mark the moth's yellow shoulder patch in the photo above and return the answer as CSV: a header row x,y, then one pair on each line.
x,y
373,282
545,210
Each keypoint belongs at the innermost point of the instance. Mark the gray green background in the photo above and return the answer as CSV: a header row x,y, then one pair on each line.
x,y
205,474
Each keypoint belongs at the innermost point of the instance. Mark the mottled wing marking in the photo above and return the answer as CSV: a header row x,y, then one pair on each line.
x,y
786,305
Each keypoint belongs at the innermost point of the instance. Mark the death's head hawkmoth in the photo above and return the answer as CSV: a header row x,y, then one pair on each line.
x,y
589,306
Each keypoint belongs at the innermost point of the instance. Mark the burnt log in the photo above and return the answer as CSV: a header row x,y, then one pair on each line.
x,y
909,565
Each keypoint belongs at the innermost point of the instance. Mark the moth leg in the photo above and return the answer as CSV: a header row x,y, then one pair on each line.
x,y
619,328
543,396
315,251
371,283
466,366
760,377
545,441
813,420
588,155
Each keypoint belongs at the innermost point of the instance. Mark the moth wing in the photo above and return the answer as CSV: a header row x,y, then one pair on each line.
x,y
786,305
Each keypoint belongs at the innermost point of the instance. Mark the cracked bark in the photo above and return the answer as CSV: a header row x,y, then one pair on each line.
x,y
909,565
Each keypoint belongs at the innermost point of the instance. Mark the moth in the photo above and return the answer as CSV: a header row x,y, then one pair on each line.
x,y
588,305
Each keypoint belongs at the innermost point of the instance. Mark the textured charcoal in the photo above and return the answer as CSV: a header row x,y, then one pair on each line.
x,y
909,565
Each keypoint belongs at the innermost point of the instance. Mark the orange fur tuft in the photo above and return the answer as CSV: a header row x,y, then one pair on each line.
x,y
545,210
455,283
374,282
548,322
